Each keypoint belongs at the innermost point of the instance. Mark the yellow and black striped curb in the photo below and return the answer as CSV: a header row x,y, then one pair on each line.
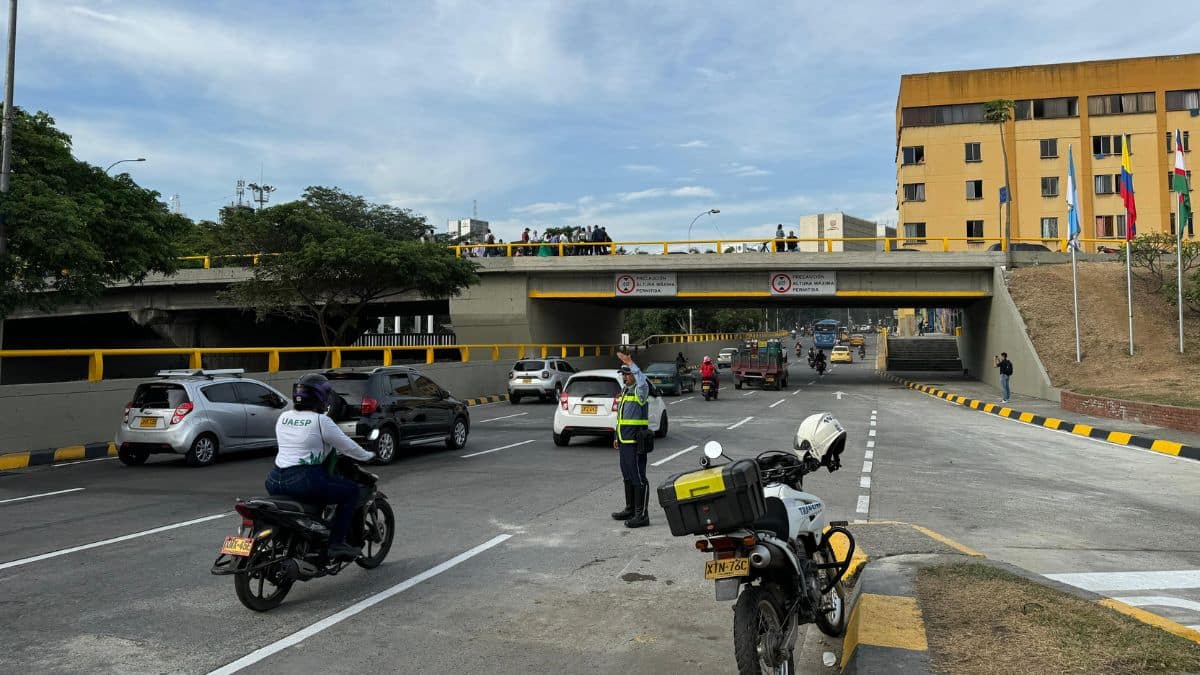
x,y
1118,437
886,631
495,398
70,453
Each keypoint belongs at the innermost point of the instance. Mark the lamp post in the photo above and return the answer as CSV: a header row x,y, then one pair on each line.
x,y
120,161
689,238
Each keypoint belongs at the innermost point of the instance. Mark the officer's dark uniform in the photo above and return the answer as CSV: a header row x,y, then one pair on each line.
x,y
633,413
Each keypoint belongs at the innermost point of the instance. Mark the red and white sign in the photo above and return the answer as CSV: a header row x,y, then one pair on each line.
x,y
821,282
641,285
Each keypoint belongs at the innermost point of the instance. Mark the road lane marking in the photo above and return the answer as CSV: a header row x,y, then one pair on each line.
x,y
106,542
871,432
738,424
750,393
864,482
668,458
1160,601
873,412
870,454
798,390
82,461
44,494
493,419
503,447
334,619
864,504
872,422
870,444
777,403
681,400
866,467
1130,581
812,381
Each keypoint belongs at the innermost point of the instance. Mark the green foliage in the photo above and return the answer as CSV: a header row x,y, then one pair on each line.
x,y
73,229
1155,253
328,255
642,323
998,110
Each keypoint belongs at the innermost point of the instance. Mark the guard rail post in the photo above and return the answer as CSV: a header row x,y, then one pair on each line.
x,y
96,367
387,357
335,358
545,351
429,356
495,352
520,352
564,351
196,360
945,244
464,354
273,361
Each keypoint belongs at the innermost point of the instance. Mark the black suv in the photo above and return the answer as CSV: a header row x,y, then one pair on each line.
x,y
405,406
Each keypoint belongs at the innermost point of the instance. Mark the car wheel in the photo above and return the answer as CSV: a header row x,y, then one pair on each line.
x,y
737,384
558,389
203,451
662,426
514,399
133,457
458,434
562,440
386,446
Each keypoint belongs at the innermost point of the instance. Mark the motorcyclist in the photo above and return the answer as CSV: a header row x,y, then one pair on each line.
x,y
862,351
681,361
812,357
305,437
708,372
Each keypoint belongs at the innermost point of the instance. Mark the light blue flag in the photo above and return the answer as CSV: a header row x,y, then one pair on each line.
x,y
1072,202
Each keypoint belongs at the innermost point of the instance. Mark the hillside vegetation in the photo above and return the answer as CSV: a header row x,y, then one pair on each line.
x,y
1155,373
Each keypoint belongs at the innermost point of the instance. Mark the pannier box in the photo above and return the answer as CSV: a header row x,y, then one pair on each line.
x,y
713,500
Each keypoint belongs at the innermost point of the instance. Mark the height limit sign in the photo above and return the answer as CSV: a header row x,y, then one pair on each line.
x,y
804,283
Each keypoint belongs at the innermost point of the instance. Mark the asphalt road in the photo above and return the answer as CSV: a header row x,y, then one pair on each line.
x,y
543,580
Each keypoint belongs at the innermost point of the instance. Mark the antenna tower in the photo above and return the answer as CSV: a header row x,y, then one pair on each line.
x,y
262,193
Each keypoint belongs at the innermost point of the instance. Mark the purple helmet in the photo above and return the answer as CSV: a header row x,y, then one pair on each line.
x,y
312,392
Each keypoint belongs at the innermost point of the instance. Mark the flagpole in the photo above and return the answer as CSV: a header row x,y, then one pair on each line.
x,y
1129,288
1075,285
1179,274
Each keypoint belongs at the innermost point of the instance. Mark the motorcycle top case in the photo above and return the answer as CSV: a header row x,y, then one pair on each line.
x,y
713,500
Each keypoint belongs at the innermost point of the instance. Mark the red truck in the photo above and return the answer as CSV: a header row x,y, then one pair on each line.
x,y
762,363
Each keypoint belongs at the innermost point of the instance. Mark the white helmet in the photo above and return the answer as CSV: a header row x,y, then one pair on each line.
x,y
821,437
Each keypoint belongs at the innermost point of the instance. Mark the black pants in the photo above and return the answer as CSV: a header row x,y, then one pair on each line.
x,y
314,485
633,464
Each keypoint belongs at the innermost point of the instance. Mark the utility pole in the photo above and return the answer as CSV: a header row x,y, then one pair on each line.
x,y
6,130
262,193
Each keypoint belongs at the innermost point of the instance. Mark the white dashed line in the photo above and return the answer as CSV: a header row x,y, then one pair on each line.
x,y
681,400
750,393
668,458
870,444
870,454
872,422
797,390
493,419
503,447
867,467
864,504
738,424
81,461
871,432
864,482
874,412
44,494
777,403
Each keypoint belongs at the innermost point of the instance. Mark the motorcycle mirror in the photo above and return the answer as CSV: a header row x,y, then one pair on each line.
x,y
374,435
713,450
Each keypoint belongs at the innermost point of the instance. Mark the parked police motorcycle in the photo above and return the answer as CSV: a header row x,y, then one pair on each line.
x,y
770,542
282,541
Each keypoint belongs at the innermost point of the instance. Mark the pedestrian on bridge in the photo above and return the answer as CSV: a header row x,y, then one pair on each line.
x,y
1006,371
631,440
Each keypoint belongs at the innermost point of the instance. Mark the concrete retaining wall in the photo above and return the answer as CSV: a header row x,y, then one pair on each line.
x,y
1169,416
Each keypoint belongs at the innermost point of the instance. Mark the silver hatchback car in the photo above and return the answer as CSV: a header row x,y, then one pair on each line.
x,y
544,378
198,414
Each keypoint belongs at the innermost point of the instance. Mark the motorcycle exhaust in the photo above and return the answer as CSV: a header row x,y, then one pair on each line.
x,y
760,556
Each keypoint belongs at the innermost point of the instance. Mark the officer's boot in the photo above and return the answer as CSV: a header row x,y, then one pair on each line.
x,y
641,500
627,512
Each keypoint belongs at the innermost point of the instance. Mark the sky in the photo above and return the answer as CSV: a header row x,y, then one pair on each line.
x,y
633,115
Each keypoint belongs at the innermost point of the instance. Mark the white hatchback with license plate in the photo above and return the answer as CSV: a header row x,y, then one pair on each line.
x,y
588,407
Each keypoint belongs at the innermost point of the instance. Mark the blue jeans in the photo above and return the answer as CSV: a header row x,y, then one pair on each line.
x,y
314,485
1004,385
633,464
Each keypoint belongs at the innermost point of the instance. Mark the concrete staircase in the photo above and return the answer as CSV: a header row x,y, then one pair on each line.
x,y
923,353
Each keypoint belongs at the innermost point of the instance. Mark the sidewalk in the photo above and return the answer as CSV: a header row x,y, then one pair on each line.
x,y
972,388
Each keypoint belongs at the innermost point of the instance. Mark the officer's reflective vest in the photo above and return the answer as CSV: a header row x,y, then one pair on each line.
x,y
632,412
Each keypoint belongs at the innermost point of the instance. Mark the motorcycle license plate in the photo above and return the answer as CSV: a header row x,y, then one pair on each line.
x,y
239,546
724,569
589,409
147,422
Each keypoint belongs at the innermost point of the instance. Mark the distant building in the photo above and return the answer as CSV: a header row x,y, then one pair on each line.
x,y
836,227
468,228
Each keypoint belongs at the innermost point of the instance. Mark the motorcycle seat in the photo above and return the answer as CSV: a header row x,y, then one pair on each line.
x,y
282,504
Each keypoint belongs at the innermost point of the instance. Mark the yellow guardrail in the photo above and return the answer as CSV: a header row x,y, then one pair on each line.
x,y
196,355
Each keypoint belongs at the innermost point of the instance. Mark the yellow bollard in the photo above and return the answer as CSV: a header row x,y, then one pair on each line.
x,y
521,352
335,361
429,356
273,361
387,357
96,367
945,244
207,263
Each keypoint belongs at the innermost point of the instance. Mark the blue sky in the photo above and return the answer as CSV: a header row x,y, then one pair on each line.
x,y
634,115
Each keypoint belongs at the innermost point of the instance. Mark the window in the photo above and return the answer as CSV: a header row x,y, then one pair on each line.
x,y
1110,226
1117,104
220,393
564,367
1171,142
914,233
530,366
161,395
914,192
975,229
593,385
913,154
399,385
1049,148
1049,228
250,393
1108,184
973,153
1184,99
974,189
1108,145
936,115
1049,186
1171,182
425,388
1046,108
1190,223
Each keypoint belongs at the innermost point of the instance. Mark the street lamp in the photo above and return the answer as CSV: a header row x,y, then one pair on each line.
x,y
705,213
119,161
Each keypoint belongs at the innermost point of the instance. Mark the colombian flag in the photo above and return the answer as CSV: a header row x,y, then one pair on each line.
x,y
1127,192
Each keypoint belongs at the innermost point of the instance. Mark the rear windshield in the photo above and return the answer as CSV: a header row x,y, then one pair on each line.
x,y
529,366
605,387
161,395
350,386
661,368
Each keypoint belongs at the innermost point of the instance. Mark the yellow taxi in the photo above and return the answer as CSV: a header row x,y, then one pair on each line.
x,y
841,354
858,340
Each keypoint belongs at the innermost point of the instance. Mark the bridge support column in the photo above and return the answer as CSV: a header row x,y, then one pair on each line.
x,y
499,310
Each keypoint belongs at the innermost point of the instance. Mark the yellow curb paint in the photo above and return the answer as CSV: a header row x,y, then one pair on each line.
x,y
1166,447
884,621
112,449
14,460
1152,619
69,453
1119,437
840,545
1005,412
989,407
961,548
1026,417
1052,423
1081,430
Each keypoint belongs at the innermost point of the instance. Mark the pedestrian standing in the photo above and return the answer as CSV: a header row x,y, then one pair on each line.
x,y
632,442
793,243
779,238
1006,371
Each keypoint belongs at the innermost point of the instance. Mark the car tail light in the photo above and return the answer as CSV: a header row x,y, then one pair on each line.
x,y
545,374
181,412
369,405
562,400
616,402
128,407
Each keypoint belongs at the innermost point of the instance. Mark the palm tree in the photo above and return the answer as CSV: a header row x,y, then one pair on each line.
x,y
1000,111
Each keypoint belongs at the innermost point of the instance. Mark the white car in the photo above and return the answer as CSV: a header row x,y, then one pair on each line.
x,y
588,407
725,357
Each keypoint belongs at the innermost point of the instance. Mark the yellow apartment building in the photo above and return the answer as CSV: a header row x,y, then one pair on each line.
x,y
950,168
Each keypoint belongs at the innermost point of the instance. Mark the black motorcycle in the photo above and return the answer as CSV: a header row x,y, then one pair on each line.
x,y
282,541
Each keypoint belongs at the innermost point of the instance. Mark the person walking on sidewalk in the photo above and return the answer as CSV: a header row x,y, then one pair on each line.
x,y
1006,371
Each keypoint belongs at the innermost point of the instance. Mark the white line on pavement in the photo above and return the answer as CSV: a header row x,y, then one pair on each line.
x,y
864,504
334,619
750,393
864,482
503,447
777,403
82,461
44,494
871,432
873,412
870,444
1160,601
493,419
106,542
668,458
681,400
738,424
870,454
812,381
798,390
1130,581
866,467
872,422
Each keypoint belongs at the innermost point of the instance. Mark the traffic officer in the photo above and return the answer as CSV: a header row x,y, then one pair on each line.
x,y
633,414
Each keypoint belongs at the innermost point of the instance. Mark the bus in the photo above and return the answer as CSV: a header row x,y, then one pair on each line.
x,y
825,333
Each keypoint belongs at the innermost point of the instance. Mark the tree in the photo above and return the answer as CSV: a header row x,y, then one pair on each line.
x,y
1000,111
73,230
329,255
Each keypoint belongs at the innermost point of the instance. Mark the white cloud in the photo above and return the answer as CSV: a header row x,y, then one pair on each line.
x,y
538,208
642,194
654,193
642,168
745,170
697,143
693,191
